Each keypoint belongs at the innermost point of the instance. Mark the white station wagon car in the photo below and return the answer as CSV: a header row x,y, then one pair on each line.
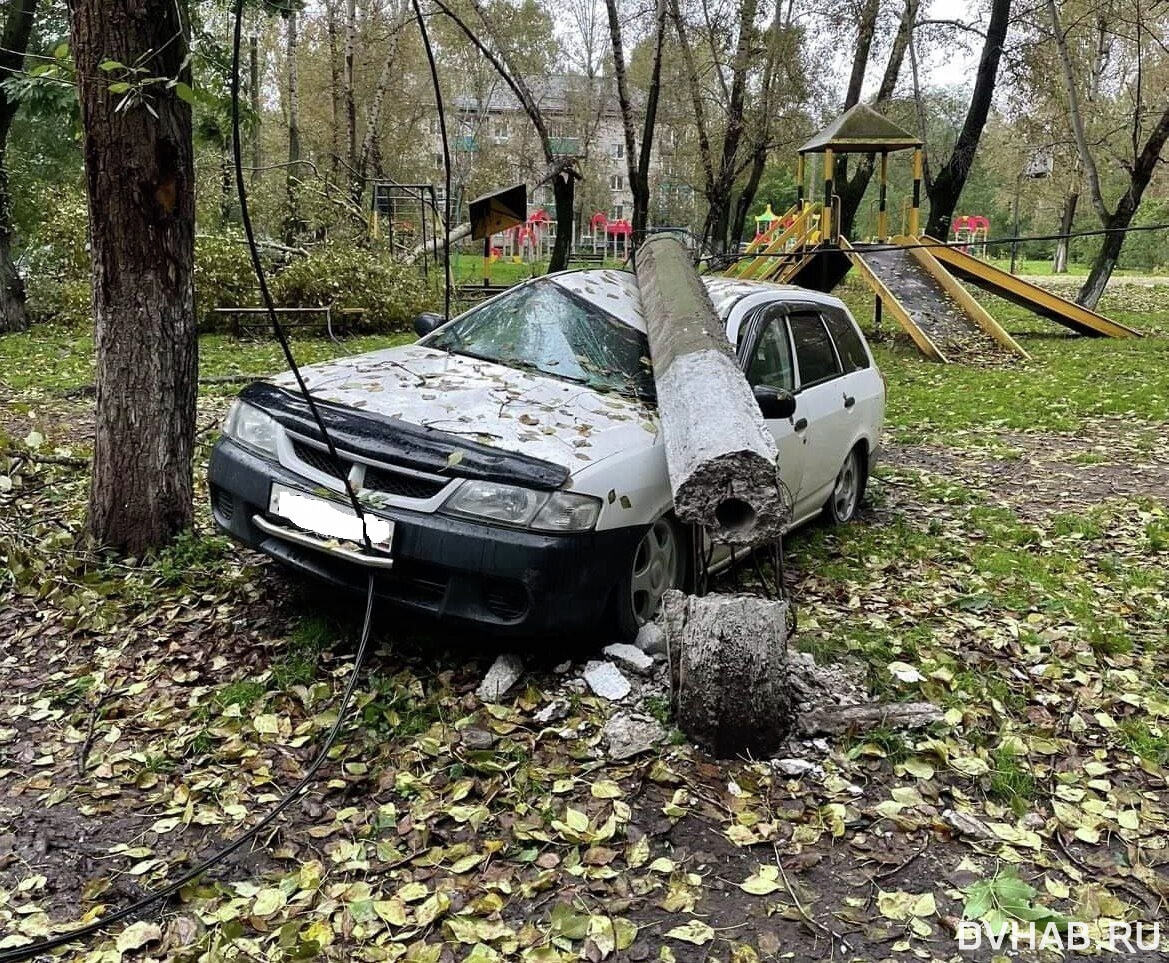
x,y
511,464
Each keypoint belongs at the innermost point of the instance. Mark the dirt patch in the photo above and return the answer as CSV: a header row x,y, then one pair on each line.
x,y
1041,474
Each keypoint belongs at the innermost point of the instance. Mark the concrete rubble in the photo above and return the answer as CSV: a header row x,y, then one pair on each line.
x,y
651,639
630,657
606,681
505,672
628,734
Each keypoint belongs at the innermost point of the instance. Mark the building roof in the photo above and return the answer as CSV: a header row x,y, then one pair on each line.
x,y
861,130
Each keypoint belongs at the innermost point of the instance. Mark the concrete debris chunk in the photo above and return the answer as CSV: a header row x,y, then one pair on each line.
x,y
651,639
628,734
554,711
630,656
797,768
606,681
964,824
505,672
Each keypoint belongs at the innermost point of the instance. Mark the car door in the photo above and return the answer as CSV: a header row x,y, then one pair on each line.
x,y
824,414
767,360
862,382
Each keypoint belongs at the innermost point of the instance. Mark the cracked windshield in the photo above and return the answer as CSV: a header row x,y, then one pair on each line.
x,y
547,329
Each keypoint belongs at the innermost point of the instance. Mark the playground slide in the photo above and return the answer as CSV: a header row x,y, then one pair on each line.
x,y
1027,295
938,320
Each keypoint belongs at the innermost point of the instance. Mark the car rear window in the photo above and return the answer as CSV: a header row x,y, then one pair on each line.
x,y
814,350
546,328
848,342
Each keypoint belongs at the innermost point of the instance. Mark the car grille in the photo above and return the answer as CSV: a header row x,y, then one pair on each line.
x,y
399,483
384,480
322,461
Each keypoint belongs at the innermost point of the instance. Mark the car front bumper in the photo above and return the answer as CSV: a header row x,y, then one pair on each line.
x,y
493,577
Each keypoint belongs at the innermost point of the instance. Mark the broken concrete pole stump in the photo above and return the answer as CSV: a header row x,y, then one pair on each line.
x,y
720,455
730,658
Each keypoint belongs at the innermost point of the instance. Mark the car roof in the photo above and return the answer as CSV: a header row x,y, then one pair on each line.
x,y
616,292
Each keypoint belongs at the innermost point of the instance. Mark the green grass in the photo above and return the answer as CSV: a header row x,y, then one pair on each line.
x,y
1011,781
1069,383
57,359
468,268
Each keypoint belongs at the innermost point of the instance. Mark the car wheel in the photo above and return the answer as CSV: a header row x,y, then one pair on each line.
x,y
658,564
848,489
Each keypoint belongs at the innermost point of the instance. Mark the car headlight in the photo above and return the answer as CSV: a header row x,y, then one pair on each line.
x,y
568,512
249,426
513,505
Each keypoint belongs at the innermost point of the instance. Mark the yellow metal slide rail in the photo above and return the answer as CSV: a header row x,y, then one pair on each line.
x,y
771,259
892,305
759,242
1000,282
975,311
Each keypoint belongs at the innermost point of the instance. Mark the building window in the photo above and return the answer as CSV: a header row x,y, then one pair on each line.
x,y
618,212
616,182
618,150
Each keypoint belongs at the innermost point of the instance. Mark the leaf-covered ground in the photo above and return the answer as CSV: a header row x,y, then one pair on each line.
x,y
1012,567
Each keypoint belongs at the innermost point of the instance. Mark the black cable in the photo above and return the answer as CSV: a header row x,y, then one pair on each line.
x,y
64,939
265,294
446,162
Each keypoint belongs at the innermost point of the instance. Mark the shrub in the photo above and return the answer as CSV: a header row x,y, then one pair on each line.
x,y
55,261
348,276
223,276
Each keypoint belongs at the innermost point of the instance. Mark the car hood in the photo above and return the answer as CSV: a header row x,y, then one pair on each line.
x,y
558,421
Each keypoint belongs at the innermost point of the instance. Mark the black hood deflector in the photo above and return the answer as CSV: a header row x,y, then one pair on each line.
x,y
402,443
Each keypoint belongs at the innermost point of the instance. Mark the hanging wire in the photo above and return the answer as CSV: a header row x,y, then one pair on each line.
x,y
446,160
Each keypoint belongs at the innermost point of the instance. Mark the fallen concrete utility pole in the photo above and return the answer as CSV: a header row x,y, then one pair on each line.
x,y
720,456
731,668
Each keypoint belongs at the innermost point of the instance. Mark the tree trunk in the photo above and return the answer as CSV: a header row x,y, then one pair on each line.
x,y
334,89
747,194
373,122
350,95
852,191
732,670
1139,176
649,125
13,44
637,162
13,316
254,92
292,224
563,192
945,189
139,170
866,30
721,458
1066,220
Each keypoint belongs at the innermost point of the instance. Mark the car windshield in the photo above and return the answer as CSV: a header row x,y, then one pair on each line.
x,y
546,328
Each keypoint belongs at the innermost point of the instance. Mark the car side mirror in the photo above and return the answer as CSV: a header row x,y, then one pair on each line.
x,y
775,402
426,322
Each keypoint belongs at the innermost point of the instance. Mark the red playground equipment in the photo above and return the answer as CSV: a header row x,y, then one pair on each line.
x,y
971,232
603,231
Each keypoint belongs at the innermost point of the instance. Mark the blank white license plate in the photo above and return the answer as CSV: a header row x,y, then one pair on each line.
x,y
328,519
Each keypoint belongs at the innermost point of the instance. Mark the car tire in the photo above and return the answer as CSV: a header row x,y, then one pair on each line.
x,y
849,488
660,561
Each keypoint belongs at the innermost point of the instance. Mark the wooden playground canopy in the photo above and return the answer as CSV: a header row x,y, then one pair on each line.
x,y
913,276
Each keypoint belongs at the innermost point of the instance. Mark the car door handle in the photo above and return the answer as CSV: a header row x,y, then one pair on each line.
x,y
849,401
802,424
